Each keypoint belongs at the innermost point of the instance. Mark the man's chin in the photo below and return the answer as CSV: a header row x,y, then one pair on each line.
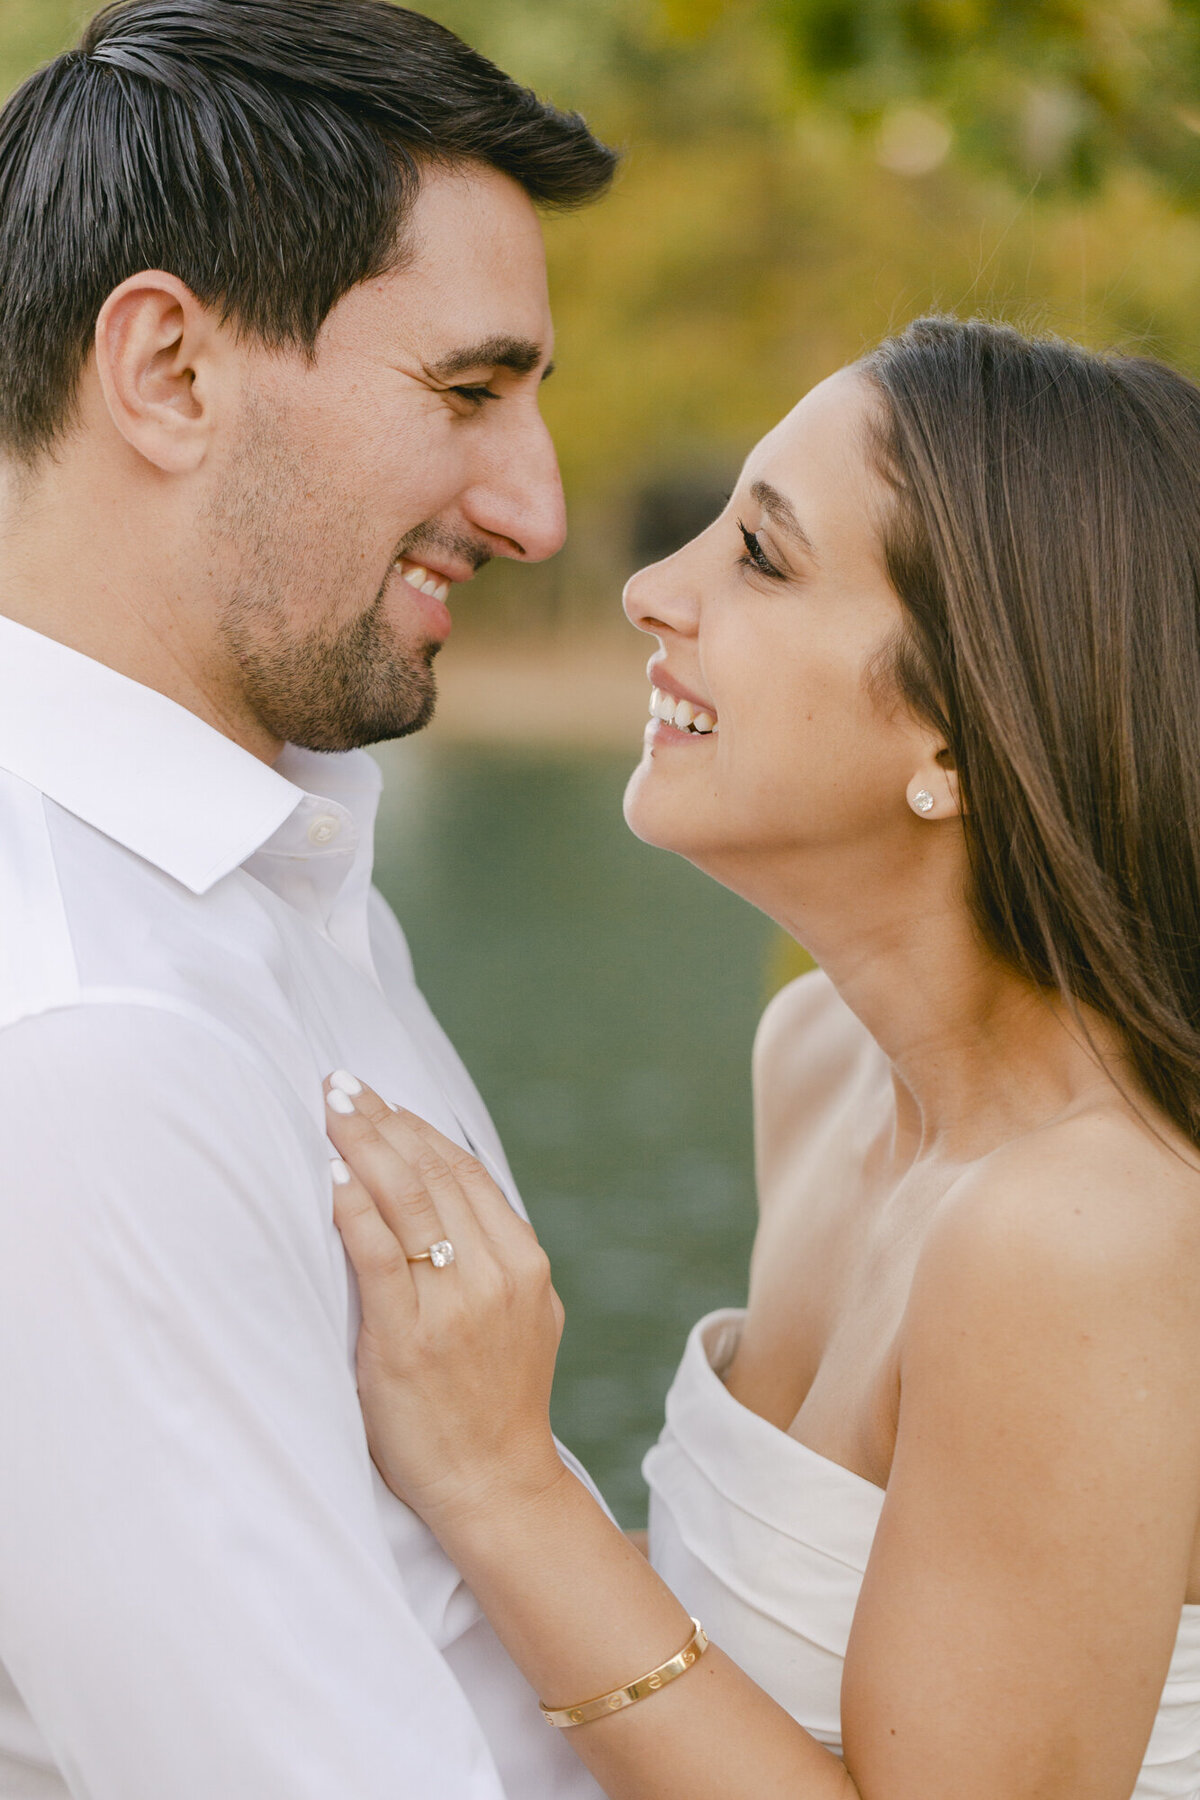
x,y
356,732
348,712
387,731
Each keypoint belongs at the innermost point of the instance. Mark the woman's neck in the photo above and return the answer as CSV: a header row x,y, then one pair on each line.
x,y
978,1053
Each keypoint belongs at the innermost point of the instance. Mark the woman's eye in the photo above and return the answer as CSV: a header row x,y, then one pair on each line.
x,y
475,395
756,557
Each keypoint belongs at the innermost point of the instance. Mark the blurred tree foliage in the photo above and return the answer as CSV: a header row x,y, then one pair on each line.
x,y
1058,90
804,175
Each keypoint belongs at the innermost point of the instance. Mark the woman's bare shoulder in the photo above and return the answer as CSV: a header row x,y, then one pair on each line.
x,y
1044,1481
806,1031
1100,1157
809,1050
1095,1202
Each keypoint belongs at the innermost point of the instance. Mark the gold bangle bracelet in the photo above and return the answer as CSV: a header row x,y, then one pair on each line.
x,y
621,1697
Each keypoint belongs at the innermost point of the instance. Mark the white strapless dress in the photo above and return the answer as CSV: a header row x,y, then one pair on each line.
x,y
767,1543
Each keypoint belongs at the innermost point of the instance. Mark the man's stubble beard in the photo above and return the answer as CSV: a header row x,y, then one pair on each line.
x,y
327,688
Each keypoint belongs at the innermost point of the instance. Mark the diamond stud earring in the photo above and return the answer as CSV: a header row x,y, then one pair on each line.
x,y
922,801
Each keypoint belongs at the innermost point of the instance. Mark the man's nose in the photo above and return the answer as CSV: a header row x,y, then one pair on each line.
x,y
520,502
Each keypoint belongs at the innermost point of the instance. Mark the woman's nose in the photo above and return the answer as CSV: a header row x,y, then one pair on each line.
x,y
657,599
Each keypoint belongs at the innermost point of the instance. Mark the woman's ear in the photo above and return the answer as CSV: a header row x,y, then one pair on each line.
x,y
933,791
154,343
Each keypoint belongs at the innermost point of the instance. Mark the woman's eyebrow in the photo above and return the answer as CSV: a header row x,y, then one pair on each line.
x,y
781,512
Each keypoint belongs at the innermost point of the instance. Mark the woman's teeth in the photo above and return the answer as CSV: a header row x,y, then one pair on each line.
x,y
421,579
681,713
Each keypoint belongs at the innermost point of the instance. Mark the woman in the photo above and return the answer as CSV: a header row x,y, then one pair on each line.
x,y
928,693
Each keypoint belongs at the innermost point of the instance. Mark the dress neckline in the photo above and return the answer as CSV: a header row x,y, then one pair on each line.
x,y
760,1471
748,1459
718,1336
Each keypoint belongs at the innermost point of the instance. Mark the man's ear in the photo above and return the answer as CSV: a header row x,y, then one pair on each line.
x,y
155,344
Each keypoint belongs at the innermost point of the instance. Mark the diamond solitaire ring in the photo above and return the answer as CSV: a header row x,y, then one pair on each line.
x,y
441,1254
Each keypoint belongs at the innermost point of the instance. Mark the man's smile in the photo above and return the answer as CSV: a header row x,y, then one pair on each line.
x,y
426,581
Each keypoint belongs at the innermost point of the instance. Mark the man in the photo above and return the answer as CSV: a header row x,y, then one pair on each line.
x,y
275,320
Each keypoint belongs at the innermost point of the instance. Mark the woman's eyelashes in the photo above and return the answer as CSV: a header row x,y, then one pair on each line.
x,y
755,556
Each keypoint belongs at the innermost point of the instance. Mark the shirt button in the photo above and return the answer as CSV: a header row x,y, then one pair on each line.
x,y
324,829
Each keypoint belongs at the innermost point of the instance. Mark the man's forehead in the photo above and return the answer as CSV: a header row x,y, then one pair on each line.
x,y
468,290
474,215
472,310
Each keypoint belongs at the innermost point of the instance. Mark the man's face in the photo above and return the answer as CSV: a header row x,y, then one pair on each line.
x,y
360,487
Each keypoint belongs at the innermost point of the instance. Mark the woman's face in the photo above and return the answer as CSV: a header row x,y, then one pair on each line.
x,y
768,622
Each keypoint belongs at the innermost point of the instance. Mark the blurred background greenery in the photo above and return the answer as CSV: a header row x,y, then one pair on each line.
x,y
800,177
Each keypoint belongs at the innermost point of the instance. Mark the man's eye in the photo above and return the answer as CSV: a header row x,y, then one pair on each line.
x,y
475,395
756,557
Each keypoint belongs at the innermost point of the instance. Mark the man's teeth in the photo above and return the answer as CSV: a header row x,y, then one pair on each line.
x,y
420,578
681,713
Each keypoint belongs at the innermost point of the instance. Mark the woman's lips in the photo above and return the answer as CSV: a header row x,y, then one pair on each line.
x,y
682,718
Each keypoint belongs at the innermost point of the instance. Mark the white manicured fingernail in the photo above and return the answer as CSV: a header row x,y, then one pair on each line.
x,y
349,1084
339,1171
338,1102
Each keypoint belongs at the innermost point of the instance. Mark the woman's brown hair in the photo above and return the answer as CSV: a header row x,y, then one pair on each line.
x,y
1045,544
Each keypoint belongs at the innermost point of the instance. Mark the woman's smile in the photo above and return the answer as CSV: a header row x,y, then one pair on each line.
x,y
676,712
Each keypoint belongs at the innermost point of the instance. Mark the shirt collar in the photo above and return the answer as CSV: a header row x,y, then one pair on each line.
x,y
147,772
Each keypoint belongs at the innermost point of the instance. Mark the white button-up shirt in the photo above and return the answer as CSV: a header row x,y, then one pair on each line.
x,y
206,1592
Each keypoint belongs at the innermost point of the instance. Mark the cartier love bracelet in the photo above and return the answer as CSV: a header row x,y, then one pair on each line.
x,y
621,1697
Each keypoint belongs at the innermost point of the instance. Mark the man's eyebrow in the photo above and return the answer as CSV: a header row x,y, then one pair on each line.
x,y
521,355
780,510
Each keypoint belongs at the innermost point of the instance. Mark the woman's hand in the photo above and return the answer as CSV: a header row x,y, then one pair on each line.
x,y
455,1363
454,1369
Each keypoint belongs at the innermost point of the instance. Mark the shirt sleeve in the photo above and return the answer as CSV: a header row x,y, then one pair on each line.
x,y
196,1595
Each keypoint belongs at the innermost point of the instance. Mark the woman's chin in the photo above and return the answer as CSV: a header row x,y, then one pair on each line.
x,y
658,816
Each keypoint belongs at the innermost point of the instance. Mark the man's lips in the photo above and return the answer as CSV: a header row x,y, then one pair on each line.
x,y
434,582
429,592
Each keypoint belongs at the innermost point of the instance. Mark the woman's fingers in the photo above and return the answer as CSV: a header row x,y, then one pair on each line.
x,y
488,1202
454,1367
429,1190
356,1124
505,1242
384,1276
429,1165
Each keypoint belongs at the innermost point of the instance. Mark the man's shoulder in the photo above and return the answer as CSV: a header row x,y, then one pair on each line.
x,y
82,916
107,964
38,966
142,1041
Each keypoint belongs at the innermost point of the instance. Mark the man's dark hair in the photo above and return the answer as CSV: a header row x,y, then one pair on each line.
x,y
266,152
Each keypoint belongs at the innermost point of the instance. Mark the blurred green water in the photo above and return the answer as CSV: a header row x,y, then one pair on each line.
x,y
604,997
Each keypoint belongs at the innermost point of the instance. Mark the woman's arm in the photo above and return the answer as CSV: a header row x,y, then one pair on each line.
x,y
1023,1594
455,1368
581,1613
1021,1605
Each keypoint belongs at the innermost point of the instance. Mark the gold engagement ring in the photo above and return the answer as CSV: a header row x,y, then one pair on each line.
x,y
441,1254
